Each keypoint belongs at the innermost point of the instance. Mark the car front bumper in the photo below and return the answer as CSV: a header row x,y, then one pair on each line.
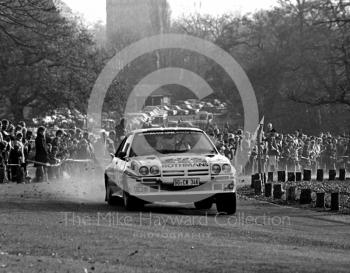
x,y
156,190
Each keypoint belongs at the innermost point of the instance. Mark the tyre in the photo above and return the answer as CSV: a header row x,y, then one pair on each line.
x,y
204,204
131,202
226,203
111,200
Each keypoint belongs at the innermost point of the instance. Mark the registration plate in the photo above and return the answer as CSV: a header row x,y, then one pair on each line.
x,y
180,182
140,189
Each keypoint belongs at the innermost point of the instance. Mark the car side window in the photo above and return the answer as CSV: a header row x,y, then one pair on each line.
x,y
121,147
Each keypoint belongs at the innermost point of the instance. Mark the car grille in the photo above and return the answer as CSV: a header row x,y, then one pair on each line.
x,y
196,172
173,173
190,172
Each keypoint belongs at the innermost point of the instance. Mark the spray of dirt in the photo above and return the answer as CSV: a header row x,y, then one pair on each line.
x,y
79,184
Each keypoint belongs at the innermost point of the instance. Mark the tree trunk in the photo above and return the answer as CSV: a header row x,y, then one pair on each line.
x,y
17,112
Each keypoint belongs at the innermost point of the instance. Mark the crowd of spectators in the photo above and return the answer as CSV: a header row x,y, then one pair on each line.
x,y
53,151
50,151
292,152
280,151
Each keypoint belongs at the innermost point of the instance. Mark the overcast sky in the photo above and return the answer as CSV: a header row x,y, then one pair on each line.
x,y
94,10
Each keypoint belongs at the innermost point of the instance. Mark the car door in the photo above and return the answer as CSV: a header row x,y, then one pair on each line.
x,y
112,170
122,160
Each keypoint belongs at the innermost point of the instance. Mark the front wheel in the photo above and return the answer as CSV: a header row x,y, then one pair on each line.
x,y
204,204
226,203
131,202
111,200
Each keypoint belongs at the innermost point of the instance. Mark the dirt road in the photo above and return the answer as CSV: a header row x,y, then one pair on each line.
x,y
66,227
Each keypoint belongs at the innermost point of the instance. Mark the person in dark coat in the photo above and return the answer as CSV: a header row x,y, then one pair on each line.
x,y
120,132
41,154
16,159
3,160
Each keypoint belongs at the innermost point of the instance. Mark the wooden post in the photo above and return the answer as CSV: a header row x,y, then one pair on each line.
x,y
263,178
320,199
291,193
332,174
258,187
298,176
291,176
281,176
342,174
335,200
268,190
277,191
307,175
254,177
319,176
270,177
305,196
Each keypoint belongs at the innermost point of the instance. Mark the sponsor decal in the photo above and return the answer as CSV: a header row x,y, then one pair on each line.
x,y
150,133
185,165
192,160
184,162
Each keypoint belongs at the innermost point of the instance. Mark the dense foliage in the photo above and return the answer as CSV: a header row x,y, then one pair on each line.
x,y
296,55
47,58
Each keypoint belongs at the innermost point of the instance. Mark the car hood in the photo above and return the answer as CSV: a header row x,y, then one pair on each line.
x,y
181,160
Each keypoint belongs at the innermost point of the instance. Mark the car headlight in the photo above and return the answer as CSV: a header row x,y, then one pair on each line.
x,y
216,169
144,170
154,170
226,168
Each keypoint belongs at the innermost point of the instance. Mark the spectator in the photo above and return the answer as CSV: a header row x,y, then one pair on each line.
x,y
110,143
56,142
3,160
147,124
41,154
16,159
120,131
53,171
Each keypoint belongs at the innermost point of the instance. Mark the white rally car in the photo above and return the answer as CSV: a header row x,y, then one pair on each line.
x,y
179,165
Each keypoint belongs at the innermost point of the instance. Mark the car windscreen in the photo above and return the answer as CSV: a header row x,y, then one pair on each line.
x,y
171,142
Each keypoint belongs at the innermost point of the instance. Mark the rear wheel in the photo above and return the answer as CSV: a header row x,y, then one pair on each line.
x,y
204,204
226,202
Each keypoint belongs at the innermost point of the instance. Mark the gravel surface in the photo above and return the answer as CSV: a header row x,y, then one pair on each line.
x,y
55,227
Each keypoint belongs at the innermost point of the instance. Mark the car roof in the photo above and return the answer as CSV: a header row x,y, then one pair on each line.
x,y
166,129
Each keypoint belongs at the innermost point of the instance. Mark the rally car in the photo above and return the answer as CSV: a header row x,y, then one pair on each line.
x,y
162,165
